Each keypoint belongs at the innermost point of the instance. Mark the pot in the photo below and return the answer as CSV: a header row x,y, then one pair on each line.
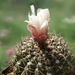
x,y
8,71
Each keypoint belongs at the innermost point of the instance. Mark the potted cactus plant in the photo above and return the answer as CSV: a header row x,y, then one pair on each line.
x,y
42,53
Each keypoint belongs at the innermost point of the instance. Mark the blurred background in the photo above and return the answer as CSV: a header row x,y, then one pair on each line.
x,y
13,28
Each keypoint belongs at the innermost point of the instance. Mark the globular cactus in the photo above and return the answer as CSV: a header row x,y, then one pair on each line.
x,y
42,53
51,58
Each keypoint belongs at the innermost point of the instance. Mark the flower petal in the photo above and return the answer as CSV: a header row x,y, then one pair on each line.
x,y
34,20
43,38
47,16
32,9
27,21
40,16
33,30
39,10
43,15
44,27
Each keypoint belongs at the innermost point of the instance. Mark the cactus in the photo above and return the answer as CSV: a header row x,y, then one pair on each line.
x,y
42,53
53,57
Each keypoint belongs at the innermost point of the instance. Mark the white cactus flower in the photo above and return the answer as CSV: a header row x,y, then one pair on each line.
x,y
38,24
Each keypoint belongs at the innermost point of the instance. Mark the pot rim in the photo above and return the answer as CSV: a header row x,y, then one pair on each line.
x,y
6,70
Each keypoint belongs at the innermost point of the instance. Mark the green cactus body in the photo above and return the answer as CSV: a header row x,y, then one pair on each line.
x,y
53,57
